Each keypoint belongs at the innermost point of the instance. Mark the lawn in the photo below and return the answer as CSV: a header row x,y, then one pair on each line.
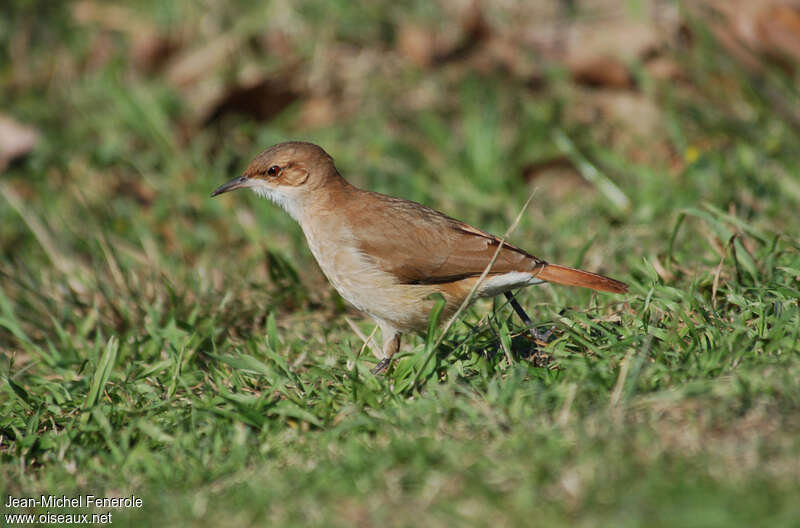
x,y
186,350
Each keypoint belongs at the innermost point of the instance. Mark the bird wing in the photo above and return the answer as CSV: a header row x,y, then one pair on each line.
x,y
420,245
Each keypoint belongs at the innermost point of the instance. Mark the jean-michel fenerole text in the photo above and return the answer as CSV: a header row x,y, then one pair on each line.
x,y
79,501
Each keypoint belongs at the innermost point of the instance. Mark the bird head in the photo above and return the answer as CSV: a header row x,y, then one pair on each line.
x,y
285,173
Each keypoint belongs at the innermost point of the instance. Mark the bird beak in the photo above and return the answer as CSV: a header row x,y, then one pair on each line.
x,y
236,183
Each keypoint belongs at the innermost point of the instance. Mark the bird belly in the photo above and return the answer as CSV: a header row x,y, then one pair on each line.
x,y
377,293
368,288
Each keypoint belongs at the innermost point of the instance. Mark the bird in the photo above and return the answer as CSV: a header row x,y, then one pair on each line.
x,y
390,257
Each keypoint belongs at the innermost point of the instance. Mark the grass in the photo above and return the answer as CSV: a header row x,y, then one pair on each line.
x,y
187,350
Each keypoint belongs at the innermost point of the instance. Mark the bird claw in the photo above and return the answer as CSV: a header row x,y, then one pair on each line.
x,y
382,366
541,338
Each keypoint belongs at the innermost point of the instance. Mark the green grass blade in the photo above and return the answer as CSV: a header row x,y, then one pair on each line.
x,y
102,372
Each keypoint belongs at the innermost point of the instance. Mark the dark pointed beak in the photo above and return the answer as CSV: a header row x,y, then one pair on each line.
x,y
232,185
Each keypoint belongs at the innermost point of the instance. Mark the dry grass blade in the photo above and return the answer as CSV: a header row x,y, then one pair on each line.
x,y
368,340
42,234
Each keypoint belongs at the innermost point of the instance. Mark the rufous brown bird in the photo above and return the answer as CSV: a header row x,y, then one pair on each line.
x,y
387,256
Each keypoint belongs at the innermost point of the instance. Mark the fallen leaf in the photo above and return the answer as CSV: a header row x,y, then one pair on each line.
x,y
416,44
139,191
599,50
779,30
317,111
152,52
426,47
194,64
664,68
150,48
260,100
538,169
16,140
601,72
556,177
475,30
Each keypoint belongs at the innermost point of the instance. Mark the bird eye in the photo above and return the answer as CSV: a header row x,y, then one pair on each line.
x,y
274,170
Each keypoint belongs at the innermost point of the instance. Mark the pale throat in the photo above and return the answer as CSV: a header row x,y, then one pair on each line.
x,y
284,198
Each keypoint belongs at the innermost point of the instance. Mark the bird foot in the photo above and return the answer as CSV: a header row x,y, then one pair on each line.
x,y
537,356
541,338
382,366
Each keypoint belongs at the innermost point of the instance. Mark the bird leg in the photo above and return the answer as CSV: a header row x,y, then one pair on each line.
x,y
534,333
538,358
391,344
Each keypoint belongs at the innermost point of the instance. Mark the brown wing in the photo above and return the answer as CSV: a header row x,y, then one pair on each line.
x,y
420,245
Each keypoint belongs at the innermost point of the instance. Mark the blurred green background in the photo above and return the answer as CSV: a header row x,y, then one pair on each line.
x,y
156,342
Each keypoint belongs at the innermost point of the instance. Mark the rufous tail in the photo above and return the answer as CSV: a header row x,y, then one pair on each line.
x,y
585,279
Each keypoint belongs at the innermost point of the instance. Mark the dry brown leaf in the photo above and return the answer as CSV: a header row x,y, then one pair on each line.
x,y
751,31
779,30
150,49
16,140
665,69
318,111
554,166
601,72
557,178
261,100
666,275
213,84
425,47
135,189
475,30
622,37
194,65
598,50
109,16
416,44
151,52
